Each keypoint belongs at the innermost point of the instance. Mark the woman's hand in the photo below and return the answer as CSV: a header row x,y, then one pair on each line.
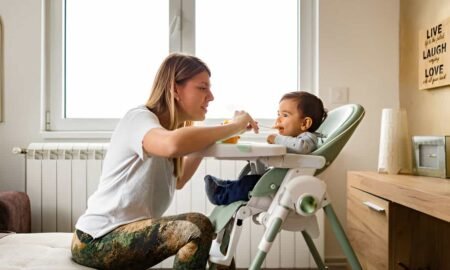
x,y
271,138
245,121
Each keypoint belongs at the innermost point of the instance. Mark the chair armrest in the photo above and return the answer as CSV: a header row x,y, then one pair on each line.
x,y
290,161
15,212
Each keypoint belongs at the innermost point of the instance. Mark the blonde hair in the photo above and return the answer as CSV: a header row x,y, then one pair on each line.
x,y
177,68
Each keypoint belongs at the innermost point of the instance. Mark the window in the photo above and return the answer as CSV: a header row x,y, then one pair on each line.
x,y
253,56
110,58
102,55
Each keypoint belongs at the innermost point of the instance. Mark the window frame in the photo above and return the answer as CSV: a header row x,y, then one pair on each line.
x,y
182,38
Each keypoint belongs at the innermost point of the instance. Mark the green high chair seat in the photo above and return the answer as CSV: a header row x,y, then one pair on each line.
x,y
336,130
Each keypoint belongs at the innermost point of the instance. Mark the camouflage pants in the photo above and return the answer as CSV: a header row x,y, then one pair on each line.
x,y
144,243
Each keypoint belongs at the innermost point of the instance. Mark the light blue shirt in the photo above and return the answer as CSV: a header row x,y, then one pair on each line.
x,y
304,143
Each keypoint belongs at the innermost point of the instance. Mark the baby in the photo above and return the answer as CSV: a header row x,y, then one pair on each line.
x,y
299,115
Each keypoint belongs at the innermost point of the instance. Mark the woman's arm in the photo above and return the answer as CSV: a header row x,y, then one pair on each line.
x,y
190,166
183,141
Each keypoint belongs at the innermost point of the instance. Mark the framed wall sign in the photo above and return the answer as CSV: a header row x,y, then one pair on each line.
x,y
434,55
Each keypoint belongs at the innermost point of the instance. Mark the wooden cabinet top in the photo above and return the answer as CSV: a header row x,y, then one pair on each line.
x,y
428,195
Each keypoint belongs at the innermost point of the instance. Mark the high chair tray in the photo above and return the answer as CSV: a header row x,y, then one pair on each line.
x,y
242,150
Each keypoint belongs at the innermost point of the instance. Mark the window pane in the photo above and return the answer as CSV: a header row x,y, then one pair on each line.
x,y
113,49
251,48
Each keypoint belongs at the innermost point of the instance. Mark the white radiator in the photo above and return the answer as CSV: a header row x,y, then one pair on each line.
x,y
62,176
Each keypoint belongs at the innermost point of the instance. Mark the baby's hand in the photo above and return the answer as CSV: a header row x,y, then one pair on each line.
x,y
271,138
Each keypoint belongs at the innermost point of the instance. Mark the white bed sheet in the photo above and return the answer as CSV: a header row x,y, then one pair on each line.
x,y
43,251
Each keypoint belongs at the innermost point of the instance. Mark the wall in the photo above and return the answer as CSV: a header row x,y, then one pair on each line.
x,y
21,93
358,49
428,110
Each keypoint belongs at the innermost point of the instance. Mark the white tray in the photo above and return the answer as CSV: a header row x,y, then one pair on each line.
x,y
242,150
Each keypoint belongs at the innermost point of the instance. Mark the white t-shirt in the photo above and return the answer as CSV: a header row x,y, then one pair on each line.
x,y
133,185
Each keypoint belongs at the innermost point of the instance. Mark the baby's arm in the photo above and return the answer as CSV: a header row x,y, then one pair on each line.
x,y
300,145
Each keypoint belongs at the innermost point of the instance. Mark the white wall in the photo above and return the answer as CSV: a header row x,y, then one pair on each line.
x,y
358,49
21,96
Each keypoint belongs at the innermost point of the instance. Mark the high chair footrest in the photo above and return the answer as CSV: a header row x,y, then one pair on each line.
x,y
222,214
227,240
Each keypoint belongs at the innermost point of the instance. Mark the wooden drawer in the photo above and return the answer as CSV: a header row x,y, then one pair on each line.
x,y
368,228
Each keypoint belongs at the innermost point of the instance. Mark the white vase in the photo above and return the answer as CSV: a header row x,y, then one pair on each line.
x,y
395,143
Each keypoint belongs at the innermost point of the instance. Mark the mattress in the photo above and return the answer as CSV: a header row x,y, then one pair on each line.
x,y
37,251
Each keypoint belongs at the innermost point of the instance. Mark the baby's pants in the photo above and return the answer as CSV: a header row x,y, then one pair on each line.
x,y
144,243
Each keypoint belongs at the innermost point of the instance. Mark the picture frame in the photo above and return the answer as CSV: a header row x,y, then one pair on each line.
x,y
434,59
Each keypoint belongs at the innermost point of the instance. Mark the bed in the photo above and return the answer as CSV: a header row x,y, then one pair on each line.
x,y
36,251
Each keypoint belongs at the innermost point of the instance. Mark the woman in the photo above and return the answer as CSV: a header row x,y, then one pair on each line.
x,y
123,227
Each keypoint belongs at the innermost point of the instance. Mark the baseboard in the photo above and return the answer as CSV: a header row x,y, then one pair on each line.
x,y
336,261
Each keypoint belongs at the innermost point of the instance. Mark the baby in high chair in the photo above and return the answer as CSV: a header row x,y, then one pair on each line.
x,y
299,115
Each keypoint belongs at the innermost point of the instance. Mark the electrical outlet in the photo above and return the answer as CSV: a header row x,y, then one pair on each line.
x,y
339,95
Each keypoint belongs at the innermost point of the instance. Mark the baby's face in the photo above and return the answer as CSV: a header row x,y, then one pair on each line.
x,y
289,121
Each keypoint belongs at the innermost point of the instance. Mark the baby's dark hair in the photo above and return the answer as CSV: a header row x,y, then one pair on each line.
x,y
308,105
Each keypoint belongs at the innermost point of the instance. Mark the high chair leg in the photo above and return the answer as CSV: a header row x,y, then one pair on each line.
x,y
342,237
314,252
266,243
274,227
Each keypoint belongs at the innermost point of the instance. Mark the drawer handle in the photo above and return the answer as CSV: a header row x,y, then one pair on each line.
x,y
374,206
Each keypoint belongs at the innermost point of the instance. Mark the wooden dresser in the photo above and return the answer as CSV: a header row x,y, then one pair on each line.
x,y
399,221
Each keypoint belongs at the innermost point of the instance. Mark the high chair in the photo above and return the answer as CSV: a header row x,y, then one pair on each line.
x,y
288,196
